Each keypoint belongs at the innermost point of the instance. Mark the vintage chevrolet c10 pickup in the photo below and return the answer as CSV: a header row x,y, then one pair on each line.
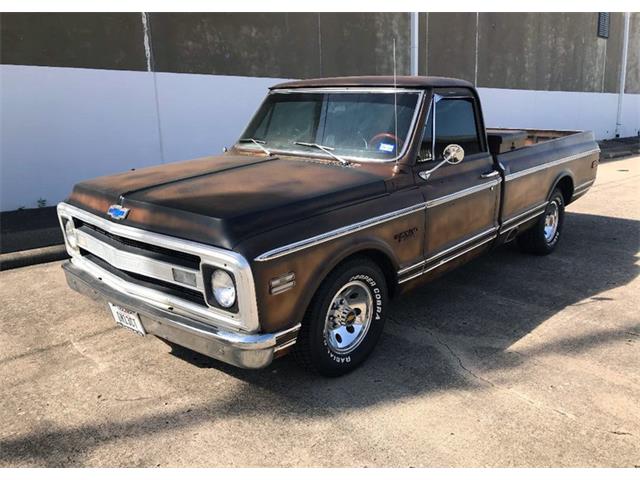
x,y
341,194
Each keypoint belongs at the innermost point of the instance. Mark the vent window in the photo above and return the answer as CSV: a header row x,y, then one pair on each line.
x,y
603,25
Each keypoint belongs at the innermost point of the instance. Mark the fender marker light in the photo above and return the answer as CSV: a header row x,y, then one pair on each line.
x,y
282,283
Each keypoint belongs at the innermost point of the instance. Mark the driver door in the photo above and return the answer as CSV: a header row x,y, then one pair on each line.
x,y
463,199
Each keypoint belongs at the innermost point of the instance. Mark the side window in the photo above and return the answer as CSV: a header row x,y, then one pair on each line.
x,y
456,123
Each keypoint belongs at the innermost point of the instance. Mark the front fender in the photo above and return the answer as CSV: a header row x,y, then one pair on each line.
x,y
312,265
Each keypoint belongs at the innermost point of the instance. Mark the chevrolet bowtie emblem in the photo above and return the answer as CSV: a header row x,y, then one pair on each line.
x,y
118,212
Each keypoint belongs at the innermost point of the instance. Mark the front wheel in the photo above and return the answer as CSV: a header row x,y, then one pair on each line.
x,y
543,237
345,319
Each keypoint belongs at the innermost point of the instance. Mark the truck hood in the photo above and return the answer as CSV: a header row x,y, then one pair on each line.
x,y
225,199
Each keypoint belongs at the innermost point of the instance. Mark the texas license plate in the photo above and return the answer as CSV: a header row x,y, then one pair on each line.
x,y
127,318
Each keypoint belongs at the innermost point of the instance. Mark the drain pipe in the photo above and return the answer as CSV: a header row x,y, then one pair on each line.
x,y
414,43
623,72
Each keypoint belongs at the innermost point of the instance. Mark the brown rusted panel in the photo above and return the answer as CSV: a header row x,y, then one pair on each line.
x,y
532,189
525,192
313,264
450,222
453,221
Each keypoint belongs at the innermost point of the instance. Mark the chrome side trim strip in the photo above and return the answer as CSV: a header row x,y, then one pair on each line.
x,y
519,220
446,251
582,188
525,213
462,244
579,193
462,193
131,262
411,267
337,233
288,343
585,184
513,176
415,275
340,232
448,259
247,316
524,220
459,254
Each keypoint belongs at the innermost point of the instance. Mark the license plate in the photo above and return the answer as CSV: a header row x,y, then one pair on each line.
x,y
127,318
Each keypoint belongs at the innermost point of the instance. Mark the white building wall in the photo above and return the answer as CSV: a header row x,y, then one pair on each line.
x,y
560,111
62,125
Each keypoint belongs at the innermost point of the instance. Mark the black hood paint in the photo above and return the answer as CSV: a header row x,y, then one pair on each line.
x,y
226,199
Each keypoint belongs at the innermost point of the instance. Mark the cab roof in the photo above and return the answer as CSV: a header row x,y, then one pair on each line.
x,y
376,81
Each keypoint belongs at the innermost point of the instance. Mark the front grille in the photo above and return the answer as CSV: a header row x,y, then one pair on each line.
x,y
148,282
149,266
145,249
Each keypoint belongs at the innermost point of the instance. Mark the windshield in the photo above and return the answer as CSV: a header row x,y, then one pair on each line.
x,y
348,124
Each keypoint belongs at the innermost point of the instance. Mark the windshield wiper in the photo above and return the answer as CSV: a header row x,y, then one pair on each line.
x,y
327,150
258,143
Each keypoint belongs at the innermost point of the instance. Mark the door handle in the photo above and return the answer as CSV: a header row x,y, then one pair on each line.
x,y
491,174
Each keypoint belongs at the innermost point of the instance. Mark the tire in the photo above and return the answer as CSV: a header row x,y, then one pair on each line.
x,y
348,338
542,238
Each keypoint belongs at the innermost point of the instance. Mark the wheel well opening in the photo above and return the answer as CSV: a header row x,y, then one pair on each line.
x,y
383,261
566,187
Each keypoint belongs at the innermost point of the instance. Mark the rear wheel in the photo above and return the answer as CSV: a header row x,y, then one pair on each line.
x,y
543,237
345,319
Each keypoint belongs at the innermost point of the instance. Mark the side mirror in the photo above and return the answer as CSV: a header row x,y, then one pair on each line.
x,y
453,154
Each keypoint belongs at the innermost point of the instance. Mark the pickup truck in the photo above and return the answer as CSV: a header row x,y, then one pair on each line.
x,y
341,194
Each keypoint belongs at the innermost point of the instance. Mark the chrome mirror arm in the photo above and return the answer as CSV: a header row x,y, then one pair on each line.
x,y
425,174
452,154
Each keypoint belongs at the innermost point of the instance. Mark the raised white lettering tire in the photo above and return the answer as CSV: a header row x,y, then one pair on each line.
x,y
543,237
344,320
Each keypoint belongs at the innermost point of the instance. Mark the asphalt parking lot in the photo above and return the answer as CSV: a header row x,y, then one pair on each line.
x,y
512,360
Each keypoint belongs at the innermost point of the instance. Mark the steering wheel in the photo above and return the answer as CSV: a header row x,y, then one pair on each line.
x,y
382,135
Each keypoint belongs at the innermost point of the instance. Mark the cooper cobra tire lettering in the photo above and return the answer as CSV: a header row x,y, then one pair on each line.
x,y
378,298
313,350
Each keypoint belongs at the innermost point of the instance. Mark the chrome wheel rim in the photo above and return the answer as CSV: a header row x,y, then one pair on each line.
x,y
349,317
551,219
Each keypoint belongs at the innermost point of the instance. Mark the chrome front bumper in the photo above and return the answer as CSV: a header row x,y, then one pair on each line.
x,y
246,350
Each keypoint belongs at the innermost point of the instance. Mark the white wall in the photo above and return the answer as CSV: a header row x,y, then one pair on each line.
x,y
61,125
201,114
560,111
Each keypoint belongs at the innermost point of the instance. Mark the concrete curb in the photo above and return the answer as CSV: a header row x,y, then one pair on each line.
x,y
32,257
611,155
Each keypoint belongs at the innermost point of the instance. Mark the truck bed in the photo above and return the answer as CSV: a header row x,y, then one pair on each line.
x,y
502,140
534,162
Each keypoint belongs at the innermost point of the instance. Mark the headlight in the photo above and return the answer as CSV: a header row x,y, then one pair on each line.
x,y
223,288
70,234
